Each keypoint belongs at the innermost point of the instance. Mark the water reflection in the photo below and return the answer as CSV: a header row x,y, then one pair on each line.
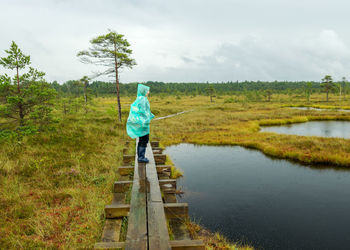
x,y
339,129
268,203
318,109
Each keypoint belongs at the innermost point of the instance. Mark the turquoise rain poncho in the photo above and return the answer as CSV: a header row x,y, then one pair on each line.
x,y
140,114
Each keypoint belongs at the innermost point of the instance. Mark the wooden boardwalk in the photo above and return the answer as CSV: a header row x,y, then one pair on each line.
x,y
153,208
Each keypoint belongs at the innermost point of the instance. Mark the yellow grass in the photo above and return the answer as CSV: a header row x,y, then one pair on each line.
x,y
54,185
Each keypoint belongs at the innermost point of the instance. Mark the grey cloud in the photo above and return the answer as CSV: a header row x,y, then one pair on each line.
x,y
186,40
306,58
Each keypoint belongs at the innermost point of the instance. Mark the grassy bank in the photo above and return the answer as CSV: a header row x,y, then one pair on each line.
x,y
55,183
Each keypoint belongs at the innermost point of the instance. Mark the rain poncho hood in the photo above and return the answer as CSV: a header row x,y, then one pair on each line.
x,y
140,114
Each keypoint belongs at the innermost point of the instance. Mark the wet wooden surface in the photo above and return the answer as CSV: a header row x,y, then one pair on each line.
x,y
158,235
136,237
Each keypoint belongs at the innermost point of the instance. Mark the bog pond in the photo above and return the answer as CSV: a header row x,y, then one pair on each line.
x,y
314,128
264,202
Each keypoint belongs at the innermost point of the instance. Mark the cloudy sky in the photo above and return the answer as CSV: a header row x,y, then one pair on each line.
x,y
186,40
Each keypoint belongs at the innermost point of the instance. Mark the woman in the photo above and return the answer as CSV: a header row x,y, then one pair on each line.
x,y
139,120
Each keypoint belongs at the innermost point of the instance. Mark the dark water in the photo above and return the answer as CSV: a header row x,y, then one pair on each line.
x,y
314,128
267,203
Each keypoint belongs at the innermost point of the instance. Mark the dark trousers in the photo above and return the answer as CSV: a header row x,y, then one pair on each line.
x,y
143,140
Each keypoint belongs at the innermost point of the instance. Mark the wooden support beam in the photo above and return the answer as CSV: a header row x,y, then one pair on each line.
x,y
154,144
162,168
172,191
109,245
157,149
117,210
175,245
176,210
179,229
125,170
170,198
171,182
187,245
172,210
128,159
111,230
159,159
121,186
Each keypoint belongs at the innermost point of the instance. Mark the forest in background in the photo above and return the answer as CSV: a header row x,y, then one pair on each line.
x,y
101,88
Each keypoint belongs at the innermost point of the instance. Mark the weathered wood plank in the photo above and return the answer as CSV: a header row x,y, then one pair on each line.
x,y
158,236
171,210
162,168
116,210
136,237
109,245
128,159
158,149
187,245
125,170
179,229
121,186
170,198
159,159
165,183
111,229
176,210
155,144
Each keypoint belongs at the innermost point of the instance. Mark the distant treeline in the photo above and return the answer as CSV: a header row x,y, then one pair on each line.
x,y
99,88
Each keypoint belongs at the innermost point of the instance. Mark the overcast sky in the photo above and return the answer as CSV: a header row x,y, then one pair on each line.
x,y
186,40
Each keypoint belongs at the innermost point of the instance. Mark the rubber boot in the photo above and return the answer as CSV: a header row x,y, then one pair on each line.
x,y
141,155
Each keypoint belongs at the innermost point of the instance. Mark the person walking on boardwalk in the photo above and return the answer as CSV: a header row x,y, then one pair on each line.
x,y
138,124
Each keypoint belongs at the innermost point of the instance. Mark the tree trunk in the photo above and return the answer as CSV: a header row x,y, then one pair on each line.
x,y
20,107
85,95
117,82
327,94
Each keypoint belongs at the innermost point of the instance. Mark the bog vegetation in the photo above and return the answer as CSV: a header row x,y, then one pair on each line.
x,y
60,145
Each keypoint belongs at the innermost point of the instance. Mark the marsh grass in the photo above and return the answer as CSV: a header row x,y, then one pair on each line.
x,y
56,183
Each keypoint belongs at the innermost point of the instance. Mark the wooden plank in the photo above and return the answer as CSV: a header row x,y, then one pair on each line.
x,y
111,229
155,144
187,245
121,186
170,198
158,149
162,168
116,210
164,183
179,229
176,210
172,210
109,245
128,159
159,159
136,237
125,170
158,235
